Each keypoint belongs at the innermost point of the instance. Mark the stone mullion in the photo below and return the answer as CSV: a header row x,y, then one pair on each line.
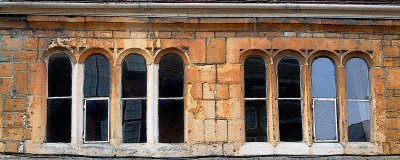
x,y
115,107
341,104
273,119
306,107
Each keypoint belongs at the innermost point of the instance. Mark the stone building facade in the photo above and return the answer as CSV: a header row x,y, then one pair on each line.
x,y
213,51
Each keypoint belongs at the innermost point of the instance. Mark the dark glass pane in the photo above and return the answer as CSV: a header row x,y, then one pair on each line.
x,y
358,121
256,121
97,77
171,76
290,121
289,77
59,76
325,120
323,78
254,77
170,115
134,77
96,120
58,120
134,121
357,83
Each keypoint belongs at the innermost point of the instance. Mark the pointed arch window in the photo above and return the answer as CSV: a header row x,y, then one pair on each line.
x,y
255,99
59,89
324,100
358,100
170,102
289,100
134,99
96,98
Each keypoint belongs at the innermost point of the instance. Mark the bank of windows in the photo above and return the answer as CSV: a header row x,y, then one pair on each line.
x,y
133,101
324,100
170,108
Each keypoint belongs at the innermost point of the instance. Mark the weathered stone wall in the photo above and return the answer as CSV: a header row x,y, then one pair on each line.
x,y
214,49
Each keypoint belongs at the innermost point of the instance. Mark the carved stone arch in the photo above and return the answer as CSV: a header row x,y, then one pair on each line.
x,y
255,52
289,52
335,58
91,51
358,54
172,50
58,50
132,51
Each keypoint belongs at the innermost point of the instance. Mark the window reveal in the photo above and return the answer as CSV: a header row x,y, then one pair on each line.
x,y
170,104
324,100
358,100
255,99
289,100
59,90
96,95
134,93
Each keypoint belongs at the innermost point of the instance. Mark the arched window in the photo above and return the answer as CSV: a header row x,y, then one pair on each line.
x,y
134,89
96,95
59,89
170,104
358,100
255,99
289,100
324,100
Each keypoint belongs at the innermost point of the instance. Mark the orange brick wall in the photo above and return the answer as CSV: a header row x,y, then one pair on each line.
x,y
213,78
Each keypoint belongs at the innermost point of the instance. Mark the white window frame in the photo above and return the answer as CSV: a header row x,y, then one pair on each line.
x,y
108,118
336,122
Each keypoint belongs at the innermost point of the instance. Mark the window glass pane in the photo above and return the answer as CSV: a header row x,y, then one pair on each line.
x,y
358,120
58,120
170,115
171,72
357,83
325,120
134,121
256,121
97,77
290,123
289,77
323,78
59,76
254,77
134,77
96,120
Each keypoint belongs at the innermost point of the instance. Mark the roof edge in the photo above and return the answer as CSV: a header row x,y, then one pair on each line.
x,y
204,10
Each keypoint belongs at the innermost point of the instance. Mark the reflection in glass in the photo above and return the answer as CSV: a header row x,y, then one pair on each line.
x,y
357,82
256,121
134,90
290,123
97,77
324,100
170,104
170,114
58,120
289,100
357,93
134,121
289,77
134,77
325,120
59,76
96,120
254,77
323,78
59,88
358,121
171,76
